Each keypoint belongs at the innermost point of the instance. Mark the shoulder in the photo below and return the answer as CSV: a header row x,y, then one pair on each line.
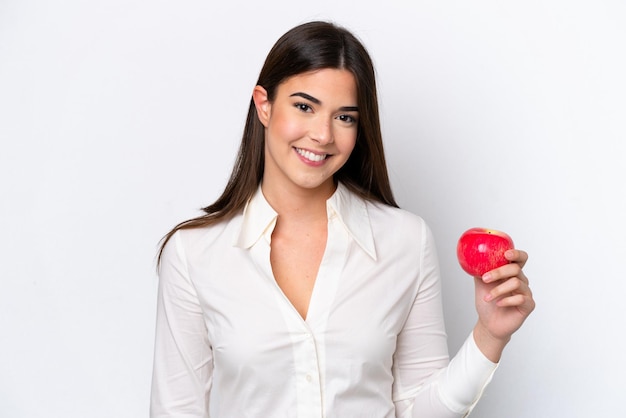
x,y
400,221
189,242
399,233
404,244
390,226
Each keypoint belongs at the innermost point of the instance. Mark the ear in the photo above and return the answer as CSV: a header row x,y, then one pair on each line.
x,y
262,104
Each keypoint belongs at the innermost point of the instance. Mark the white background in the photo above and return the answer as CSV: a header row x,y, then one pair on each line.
x,y
120,118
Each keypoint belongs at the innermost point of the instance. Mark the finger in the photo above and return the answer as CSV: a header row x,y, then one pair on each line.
x,y
516,256
524,303
505,272
512,286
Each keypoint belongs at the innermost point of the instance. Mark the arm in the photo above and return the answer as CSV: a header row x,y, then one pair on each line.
x,y
182,356
426,384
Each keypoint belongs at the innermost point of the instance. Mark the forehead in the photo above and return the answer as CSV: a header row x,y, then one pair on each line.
x,y
326,85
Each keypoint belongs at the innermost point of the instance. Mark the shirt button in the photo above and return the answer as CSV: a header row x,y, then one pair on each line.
x,y
308,378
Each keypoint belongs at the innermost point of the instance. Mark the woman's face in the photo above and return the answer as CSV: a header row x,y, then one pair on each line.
x,y
310,129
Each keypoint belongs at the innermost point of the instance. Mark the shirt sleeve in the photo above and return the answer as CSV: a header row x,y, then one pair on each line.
x,y
183,364
426,383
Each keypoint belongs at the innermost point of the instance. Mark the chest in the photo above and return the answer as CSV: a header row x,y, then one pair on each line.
x,y
357,304
295,259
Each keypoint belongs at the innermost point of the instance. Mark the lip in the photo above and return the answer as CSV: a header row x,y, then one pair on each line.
x,y
310,157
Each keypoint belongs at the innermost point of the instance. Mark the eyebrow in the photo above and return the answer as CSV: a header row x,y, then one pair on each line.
x,y
318,101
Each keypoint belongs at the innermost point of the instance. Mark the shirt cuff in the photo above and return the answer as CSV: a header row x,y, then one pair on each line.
x,y
462,383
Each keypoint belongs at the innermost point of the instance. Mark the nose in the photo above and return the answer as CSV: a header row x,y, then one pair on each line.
x,y
322,131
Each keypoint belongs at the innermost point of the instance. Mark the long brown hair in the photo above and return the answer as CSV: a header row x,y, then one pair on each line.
x,y
308,47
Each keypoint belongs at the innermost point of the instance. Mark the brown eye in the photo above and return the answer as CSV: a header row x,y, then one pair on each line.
x,y
346,118
303,107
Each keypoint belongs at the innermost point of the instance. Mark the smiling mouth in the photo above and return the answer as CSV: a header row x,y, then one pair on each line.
x,y
312,156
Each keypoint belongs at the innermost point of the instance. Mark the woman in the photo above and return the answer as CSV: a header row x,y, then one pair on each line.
x,y
304,291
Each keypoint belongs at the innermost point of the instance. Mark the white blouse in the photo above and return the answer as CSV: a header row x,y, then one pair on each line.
x,y
229,344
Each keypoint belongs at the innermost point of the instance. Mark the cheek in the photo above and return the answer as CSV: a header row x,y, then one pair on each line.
x,y
347,142
286,127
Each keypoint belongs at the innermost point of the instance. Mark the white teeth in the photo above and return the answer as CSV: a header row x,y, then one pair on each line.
x,y
310,156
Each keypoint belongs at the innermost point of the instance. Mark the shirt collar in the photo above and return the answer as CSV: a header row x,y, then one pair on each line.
x,y
352,212
259,219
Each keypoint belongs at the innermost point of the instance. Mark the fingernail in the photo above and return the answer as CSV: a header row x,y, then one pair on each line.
x,y
487,277
488,297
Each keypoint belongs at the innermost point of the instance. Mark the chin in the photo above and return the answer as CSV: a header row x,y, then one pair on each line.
x,y
317,183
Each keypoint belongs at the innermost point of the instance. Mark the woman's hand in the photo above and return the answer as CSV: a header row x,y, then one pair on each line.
x,y
503,301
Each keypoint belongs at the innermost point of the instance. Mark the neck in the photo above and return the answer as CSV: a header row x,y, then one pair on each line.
x,y
298,202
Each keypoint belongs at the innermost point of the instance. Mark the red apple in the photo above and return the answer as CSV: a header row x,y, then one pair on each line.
x,y
480,250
